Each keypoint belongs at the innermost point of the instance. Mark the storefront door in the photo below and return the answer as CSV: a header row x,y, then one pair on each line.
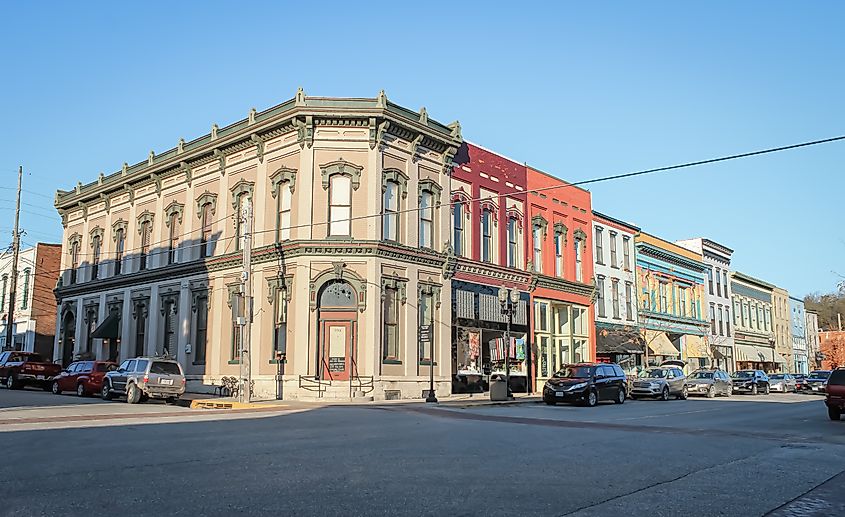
x,y
337,348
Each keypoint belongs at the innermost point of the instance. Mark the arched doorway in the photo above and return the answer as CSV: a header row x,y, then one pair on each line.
x,y
68,337
337,330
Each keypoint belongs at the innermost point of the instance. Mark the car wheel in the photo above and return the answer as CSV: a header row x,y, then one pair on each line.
x,y
664,395
834,413
766,390
592,398
620,396
12,382
56,389
550,402
754,389
80,390
105,394
133,394
684,393
711,392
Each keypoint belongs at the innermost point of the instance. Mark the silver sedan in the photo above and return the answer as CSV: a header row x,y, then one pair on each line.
x,y
782,383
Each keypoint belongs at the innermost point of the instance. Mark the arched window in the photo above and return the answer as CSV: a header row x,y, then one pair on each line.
x,y
340,205
119,247
205,228
426,219
486,235
458,212
284,200
579,256
146,233
512,247
173,238
96,246
74,260
538,248
390,211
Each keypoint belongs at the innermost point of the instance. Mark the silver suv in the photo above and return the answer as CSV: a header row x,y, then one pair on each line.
x,y
143,378
661,382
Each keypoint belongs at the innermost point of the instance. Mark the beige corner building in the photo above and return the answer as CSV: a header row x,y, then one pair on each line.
x,y
348,245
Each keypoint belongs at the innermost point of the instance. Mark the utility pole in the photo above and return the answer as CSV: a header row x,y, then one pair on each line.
x,y
16,248
245,391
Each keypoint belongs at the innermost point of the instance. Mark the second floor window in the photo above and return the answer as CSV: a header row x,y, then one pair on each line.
x,y
727,321
613,258
600,296
25,293
173,238
426,219
95,258
579,263
712,320
559,255
721,321
119,247
146,231
390,212
682,298
614,294
629,308
340,205
664,303
486,236
284,200
538,249
74,261
205,229
710,281
512,242
458,212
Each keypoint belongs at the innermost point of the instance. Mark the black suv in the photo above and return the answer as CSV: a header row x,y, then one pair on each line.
x,y
750,381
587,384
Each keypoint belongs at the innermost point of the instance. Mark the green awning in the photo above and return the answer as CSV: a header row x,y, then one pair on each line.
x,y
109,328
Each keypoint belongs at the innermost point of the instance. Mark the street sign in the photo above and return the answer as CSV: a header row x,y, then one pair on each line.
x,y
425,333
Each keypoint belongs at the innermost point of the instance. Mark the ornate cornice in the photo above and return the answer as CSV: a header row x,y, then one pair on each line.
x,y
564,286
471,267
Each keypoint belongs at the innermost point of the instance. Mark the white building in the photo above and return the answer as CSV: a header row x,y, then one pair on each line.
x,y
717,297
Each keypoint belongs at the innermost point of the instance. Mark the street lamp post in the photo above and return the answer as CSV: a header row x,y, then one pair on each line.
x,y
508,298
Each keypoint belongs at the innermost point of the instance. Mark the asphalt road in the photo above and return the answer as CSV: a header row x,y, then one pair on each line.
x,y
740,456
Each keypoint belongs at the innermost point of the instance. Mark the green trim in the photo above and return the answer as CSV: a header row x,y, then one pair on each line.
x,y
276,361
234,361
391,361
427,363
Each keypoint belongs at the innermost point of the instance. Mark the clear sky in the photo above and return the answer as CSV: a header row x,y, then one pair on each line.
x,y
580,91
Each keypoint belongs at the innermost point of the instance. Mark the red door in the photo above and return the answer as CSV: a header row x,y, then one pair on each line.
x,y
337,344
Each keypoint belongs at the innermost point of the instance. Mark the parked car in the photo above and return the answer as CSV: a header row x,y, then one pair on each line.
x,y
83,377
18,369
587,384
143,378
783,383
710,383
835,394
816,380
661,382
800,381
750,381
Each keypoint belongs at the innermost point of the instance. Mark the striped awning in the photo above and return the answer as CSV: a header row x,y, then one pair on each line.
x,y
758,354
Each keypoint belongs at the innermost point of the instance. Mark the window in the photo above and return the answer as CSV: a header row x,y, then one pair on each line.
x,y
718,282
712,319
169,344
240,223
201,334
682,299
486,236
237,312
626,252
390,211
284,200
559,254
140,328
74,261
768,318
599,247
710,281
340,205
664,300
391,324
629,308
579,272
426,219
458,212
512,242
165,368
541,316
119,246
91,320
141,365
721,321
173,238
600,296
613,258
538,248
3,293
25,293
205,229
614,293
725,281
746,317
280,324
728,321
95,257
425,315
146,229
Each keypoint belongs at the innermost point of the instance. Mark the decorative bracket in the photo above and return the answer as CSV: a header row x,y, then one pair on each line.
x,y
259,146
221,161
304,131
400,284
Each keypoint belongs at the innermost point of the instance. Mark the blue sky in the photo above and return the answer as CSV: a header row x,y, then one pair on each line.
x,y
580,91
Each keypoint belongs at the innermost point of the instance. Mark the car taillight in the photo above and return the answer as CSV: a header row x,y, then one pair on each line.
x,y
146,378
184,381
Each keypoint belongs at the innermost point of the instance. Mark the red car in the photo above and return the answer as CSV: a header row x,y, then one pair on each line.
x,y
17,369
835,394
83,377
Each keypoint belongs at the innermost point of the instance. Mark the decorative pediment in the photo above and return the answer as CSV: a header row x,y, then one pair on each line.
x,y
514,213
282,175
490,205
580,237
400,284
242,187
396,176
97,232
75,238
145,217
560,229
173,208
206,198
343,167
279,283
429,288
538,221
116,226
430,185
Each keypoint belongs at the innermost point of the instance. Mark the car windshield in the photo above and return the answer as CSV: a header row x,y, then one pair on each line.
x,y
165,368
654,373
820,374
776,377
573,372
745,374
837,378
701,375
